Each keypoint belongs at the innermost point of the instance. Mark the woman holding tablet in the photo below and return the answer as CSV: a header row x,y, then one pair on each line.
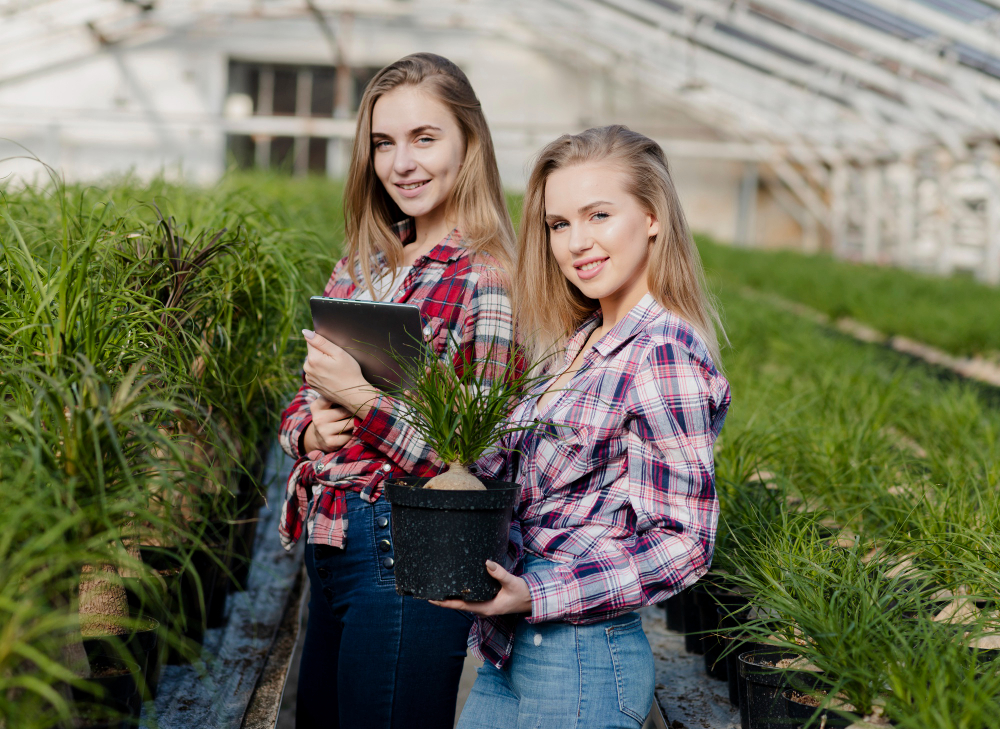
x,y
618,507
426,224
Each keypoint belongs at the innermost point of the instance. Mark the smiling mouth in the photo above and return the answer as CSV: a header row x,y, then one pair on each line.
x,y
411,185
591,266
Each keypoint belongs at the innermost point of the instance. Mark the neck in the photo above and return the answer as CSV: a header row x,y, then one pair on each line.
x,y
615,308
430,230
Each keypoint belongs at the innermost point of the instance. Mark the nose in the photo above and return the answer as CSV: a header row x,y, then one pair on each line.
x,y
579,240
403,162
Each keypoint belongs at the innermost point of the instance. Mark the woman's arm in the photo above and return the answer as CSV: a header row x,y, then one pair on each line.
x,y
676,408
487,340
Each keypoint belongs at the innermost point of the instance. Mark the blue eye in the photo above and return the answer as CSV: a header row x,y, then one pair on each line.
x,y
426,139
557,226
382,144
600,216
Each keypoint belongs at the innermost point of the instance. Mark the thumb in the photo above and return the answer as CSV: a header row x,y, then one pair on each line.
x,y
497,572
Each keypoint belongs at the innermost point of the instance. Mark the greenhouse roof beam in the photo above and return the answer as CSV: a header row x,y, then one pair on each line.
x,y
793,42
939,24
735,110
721,48
821,23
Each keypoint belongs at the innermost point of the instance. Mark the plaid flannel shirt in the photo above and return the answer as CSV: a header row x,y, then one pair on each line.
x,y
617,477
465,309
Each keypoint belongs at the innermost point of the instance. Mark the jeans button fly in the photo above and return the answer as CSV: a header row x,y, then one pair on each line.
x,y
323,572
384,545
388,562
382,521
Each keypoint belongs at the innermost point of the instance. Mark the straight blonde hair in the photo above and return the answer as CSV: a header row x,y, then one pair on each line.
x,y
477,200
548,309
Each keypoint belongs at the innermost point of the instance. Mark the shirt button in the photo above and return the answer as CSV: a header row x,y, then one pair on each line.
x,y
385,545
386,467
382,522
388,562
427,332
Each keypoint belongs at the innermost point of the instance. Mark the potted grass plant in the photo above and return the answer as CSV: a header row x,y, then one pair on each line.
x,y
445,528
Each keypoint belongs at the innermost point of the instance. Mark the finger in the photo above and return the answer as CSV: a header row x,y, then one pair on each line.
x,y
343,426
471,607
338,441
324,345
497,572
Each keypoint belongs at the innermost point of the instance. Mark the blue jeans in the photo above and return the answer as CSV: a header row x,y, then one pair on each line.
x,y
563,676
373,659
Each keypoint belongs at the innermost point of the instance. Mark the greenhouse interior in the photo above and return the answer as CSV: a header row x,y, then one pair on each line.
x,y
178,178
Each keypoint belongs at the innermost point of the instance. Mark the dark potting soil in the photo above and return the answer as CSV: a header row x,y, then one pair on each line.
x,y
108,670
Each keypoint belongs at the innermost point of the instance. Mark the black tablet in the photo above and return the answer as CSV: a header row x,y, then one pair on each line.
x,y
377,334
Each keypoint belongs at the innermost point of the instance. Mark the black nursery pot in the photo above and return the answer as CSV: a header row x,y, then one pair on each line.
x,y
142,645
119,688
674,606
692,622
765,685
442,539
803,716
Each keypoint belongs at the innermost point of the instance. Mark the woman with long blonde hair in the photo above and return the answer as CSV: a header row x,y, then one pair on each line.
x,y
427,224
618,507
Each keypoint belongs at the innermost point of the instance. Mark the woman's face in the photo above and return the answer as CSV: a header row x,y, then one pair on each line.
x,y
418,149
599,233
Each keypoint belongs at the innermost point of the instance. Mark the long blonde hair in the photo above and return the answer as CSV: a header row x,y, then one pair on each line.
x,y
477,200
547,307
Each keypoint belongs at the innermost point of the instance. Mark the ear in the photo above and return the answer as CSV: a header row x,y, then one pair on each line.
x,y
653,226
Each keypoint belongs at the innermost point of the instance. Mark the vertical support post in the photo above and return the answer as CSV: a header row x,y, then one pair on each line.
x,y
904,175
839,182
265,107
339,150
303,109
746,217
946,225
991,253
872,238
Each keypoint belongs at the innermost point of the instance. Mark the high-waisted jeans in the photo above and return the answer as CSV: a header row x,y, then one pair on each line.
x,y
373,659
563,676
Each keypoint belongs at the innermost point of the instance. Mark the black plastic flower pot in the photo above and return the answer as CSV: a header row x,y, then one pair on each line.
x,y
765,683
442,539
737,684
716,603
806,715
183,609
117,683
674,608
142,646
692,622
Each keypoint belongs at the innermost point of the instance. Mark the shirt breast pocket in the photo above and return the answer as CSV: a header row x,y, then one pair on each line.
x,y
437,332
574,452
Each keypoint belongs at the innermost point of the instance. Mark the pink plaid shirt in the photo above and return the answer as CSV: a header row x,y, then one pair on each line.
x,y
465,308
618,480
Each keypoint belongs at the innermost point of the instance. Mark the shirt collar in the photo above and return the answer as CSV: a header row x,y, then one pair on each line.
x,y
638,316
450,248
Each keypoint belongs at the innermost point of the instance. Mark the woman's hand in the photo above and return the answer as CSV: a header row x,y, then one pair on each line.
x,y
330,428
514,596
336,375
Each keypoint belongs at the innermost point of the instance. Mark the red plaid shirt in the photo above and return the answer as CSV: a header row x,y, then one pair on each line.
x,y
466,314
618,480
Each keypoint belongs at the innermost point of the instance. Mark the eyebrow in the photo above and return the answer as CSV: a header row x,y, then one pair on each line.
x,y
596,204
413,132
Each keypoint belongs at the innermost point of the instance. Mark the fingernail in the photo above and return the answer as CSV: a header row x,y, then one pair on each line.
x,y
308,333
491,565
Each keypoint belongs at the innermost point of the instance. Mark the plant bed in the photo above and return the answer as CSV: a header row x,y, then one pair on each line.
x,y
442,539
